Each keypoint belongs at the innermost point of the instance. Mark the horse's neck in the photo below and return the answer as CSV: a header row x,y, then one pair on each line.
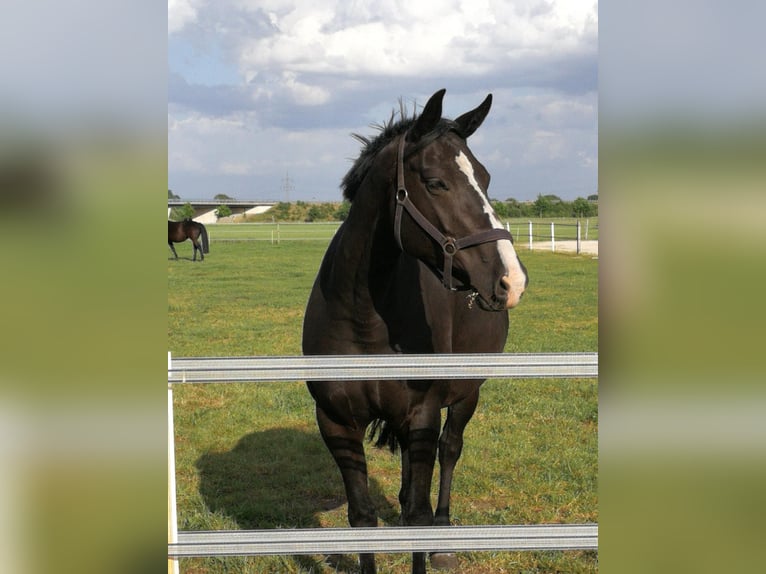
x,y
366,251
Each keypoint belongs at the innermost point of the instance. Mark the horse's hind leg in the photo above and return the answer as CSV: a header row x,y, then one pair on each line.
x,y
173,249
196,247
346,446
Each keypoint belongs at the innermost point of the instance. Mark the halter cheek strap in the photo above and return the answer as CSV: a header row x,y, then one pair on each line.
x,y
450,246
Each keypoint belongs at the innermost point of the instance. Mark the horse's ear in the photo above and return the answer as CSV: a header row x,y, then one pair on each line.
x,y
469,122
428,119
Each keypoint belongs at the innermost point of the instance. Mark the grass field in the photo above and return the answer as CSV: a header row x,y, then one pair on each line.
x,y
250,456
273,232
565,228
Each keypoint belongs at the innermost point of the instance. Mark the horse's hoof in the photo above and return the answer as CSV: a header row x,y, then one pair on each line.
x,y
444,561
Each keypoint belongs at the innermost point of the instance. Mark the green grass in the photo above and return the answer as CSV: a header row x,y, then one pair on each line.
x,y
250,456
288,231
273,232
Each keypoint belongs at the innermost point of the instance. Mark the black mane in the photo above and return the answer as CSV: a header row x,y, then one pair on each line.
x,y
371,146
388,131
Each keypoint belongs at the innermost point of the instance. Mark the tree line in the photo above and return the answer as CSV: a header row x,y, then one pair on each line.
x,y
543,206
547,206
186,211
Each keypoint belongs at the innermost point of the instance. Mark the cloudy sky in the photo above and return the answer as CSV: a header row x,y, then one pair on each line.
x,y
264,90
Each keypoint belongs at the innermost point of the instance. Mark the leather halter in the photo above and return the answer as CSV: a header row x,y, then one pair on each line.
x,y
450,246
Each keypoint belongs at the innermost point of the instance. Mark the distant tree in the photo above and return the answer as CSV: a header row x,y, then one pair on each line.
x,y
314,213
281,211
342,212
582,208
513,208
542,205
172,195
222,197
305,211
593,197
222,211
501,208
186,211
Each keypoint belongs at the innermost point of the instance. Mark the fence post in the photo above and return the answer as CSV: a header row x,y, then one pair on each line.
x,y
587,224
553,236
578,237
530,235
172,514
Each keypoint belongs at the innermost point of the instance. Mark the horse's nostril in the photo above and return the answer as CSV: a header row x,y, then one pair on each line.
x,y
512,298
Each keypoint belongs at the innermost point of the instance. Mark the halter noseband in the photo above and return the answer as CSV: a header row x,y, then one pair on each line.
x,y
450,246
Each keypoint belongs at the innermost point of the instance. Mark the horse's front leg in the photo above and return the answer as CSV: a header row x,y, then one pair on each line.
x,y
347,448
450,448
418,459
418,558
173,249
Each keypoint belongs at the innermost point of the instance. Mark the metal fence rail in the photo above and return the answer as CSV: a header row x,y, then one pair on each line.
x,y
385,539
195,370
380,367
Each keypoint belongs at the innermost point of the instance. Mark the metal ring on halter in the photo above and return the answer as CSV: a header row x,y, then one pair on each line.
x,y
401,195
449,246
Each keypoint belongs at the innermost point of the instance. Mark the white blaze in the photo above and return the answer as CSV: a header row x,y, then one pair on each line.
x,y
505,248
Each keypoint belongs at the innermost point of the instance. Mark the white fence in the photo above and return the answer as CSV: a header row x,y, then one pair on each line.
x,y
548,236
551,235
377,540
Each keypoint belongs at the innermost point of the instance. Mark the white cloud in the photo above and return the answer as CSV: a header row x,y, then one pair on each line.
x,y
545,146
585,159
204,125
314,71
304,94
570,112
237,146
200,144
181,13
411,38
235,168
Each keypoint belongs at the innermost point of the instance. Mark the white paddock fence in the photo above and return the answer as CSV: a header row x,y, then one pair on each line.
x,y
376,540
572,235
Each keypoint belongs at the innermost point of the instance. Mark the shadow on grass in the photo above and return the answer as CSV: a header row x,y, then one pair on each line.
x,y
281,478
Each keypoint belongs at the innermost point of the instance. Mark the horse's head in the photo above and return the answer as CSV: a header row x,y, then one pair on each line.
x,y
442,214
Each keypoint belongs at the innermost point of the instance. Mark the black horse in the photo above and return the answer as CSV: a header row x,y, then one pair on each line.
x,y
179,231
421,265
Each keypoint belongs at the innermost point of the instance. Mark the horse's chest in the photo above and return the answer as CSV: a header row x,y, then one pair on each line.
x,y
370,334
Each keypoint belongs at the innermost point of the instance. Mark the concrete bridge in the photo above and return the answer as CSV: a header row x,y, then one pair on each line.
x,y
204,209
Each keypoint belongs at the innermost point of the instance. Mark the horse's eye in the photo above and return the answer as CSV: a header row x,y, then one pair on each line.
x,y
436,185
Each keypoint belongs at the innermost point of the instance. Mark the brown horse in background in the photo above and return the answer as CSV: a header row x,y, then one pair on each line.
x,y
179,231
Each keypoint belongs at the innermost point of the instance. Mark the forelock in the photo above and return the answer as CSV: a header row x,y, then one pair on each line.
x,y
371,146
